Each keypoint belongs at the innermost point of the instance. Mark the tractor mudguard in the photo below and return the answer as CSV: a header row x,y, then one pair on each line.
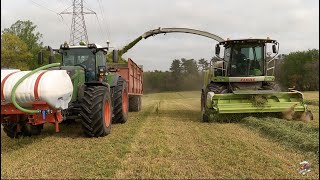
x,y
97,83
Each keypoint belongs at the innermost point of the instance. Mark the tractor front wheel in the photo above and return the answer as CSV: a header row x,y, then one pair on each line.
x,y
96,111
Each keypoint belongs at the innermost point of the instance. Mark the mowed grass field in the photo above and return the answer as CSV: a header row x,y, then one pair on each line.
x,y
168,140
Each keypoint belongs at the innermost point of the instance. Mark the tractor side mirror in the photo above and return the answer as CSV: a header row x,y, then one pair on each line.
x,y
217,50
115,56
274,48
40,58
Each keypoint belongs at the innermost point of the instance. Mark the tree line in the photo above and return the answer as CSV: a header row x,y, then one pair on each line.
x,y
21,42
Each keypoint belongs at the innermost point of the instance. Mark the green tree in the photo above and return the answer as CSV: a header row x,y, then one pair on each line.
x,y
27,32
14,52
300,69
203,64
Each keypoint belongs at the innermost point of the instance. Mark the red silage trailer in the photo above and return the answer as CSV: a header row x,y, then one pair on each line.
x,y
133,74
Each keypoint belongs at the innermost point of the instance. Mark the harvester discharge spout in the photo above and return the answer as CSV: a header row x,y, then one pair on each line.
x,y
168,30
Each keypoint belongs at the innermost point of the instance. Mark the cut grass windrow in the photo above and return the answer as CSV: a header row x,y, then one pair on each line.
x,y
298,135
314,102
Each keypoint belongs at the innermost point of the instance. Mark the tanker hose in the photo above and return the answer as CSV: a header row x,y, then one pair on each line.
x,y
13,93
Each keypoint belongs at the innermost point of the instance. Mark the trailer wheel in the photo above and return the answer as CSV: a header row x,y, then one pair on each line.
x,y
135,103
96,111
31,130
121,102
10,128
140,103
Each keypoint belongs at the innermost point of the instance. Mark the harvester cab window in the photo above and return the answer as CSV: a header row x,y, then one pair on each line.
x,y
247,60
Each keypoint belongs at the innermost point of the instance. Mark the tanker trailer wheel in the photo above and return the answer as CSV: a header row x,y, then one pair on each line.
x,y
135,103
96,111
121,102
31,130
13,122
10,127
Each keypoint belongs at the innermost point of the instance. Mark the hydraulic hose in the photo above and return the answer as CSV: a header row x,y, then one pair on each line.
x,y
13,93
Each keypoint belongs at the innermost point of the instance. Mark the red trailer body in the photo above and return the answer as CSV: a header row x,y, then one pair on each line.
x,y
133,74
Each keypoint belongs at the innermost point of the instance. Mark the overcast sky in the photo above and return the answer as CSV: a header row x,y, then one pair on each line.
x,y
294,23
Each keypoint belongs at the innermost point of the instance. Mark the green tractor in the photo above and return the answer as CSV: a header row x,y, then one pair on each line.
x,y
99,96
243,82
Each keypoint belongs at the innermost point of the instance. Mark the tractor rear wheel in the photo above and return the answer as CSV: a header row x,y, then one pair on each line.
x,y
135,103
121,102
96,111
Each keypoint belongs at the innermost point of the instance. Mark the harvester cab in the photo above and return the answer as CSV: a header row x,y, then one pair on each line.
x,y
247,57
243,81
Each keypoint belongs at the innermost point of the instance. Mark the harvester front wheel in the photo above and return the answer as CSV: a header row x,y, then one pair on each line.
x,y
217,88
121,102
272,86
96,111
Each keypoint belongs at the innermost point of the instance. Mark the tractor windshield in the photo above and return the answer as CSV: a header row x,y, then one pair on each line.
x,y
80,56
246,60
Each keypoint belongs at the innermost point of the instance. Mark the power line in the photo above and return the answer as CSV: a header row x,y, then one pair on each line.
x,y
39,5
104,20
44,7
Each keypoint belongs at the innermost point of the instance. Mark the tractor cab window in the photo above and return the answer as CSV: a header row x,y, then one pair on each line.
x,y
81,57
101,61
247,60
73,57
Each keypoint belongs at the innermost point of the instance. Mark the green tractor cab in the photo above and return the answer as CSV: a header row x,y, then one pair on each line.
x,y
243,82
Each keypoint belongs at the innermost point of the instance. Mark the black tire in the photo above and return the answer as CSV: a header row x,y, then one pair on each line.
x,y
272,86
202,103
31,130
135,103
10,128
205,118
120,102
140,103
217,88
26,129
96,111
